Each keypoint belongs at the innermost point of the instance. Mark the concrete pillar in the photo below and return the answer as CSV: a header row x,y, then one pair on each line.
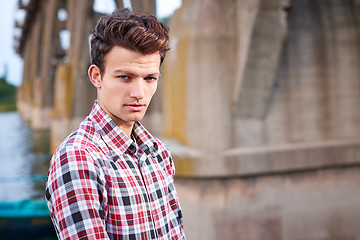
x,y
255,83
119,4
146,6
43,99
80,26
24,91
31,72
316,94
200,78
61,120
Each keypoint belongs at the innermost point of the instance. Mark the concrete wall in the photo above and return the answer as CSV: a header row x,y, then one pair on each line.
x,y
261,108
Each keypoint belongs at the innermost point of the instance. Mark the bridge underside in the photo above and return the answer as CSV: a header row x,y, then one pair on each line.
x,y
259,104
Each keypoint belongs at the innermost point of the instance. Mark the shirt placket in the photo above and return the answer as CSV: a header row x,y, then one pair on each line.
x,y
141,157
149,169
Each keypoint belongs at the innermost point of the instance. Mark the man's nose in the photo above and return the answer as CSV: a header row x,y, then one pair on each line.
x,y
137,89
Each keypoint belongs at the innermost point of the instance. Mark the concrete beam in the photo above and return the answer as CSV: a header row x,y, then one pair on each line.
x,y
312,205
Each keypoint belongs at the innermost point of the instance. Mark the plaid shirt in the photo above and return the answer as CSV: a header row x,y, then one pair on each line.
x,y
103,185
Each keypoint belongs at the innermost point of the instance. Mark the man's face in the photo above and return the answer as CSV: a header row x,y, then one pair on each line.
x,y
127,85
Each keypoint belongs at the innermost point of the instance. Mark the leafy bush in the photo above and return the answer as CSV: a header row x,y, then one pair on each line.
x,y
7,96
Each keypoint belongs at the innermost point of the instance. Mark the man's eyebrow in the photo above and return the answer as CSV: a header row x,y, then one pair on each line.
x,y
123,71
155,74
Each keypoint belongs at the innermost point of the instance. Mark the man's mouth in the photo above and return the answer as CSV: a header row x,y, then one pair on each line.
x,y
135,107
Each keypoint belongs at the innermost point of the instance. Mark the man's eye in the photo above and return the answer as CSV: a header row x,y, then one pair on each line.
x,y
124,77
151,78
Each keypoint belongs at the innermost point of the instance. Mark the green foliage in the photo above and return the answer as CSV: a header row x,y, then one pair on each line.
x,y
7,96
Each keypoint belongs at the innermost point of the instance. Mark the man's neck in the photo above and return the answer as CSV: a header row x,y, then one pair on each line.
x,y
127,129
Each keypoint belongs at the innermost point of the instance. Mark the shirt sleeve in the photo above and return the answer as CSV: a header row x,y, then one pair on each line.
x,y
75,193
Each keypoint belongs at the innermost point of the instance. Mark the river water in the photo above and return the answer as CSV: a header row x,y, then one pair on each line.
x,y
24,159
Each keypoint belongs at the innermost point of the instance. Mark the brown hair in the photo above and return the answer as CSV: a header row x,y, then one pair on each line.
x,y
134,31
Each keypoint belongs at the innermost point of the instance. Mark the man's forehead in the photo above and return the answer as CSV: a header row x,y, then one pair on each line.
x,y
121,54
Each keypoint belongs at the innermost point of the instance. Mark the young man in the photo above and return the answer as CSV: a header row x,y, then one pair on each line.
x,y
111,179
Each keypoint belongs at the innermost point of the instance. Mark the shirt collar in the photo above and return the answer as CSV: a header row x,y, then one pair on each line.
x,y
115,138
144,139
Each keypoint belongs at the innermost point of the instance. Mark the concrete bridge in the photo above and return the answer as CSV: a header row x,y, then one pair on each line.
x,y
259,103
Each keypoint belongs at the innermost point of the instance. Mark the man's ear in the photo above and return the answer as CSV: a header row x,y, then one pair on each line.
x,y
95,75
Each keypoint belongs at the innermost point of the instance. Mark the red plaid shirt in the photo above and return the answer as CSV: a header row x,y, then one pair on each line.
x,y
103,185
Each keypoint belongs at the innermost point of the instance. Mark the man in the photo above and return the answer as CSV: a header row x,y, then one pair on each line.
x,y
111,179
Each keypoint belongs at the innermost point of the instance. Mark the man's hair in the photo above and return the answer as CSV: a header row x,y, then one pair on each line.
x,y
133,31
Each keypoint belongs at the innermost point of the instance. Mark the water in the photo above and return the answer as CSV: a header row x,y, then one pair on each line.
x,y
23,153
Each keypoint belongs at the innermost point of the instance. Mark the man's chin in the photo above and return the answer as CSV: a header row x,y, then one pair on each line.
x,y
136,118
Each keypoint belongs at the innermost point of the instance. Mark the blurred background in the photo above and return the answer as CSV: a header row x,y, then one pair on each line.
x,y
258,102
